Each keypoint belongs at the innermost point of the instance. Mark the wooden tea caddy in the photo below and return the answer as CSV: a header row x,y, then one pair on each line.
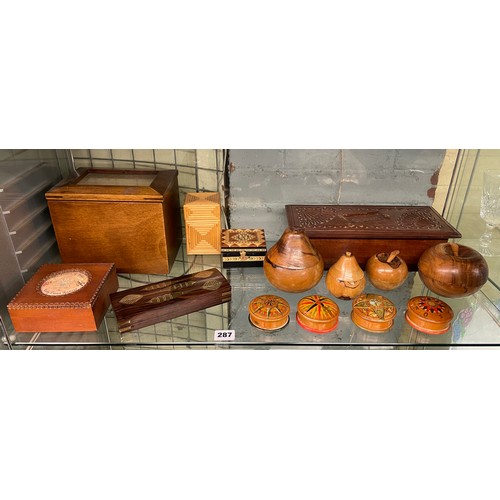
x,y
365,230
129,217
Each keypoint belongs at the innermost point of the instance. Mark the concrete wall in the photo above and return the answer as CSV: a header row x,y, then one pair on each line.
x,y
262,182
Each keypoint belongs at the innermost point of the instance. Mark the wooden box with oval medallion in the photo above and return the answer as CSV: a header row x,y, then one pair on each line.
x,y
64,298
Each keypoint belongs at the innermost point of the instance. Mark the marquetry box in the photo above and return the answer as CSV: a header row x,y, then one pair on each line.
x,y
243,247
149,304
202,222
129,217
64,298
365,230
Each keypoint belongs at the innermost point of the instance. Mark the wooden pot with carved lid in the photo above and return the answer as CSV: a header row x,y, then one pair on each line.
x,y
386,271
269,312
317,313
373,312
429,314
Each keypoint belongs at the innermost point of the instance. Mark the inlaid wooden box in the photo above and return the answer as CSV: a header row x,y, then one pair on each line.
x,y
64,298
365,230
202,222
243,247
129,217
149,304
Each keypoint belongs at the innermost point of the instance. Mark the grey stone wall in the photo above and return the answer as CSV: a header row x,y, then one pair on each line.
x,y
263,181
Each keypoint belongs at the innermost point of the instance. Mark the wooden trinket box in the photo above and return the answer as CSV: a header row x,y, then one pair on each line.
x,y
64,298
149,304
202,221
269,312
365,230
129,217
243,247
373,313
429,315
317,313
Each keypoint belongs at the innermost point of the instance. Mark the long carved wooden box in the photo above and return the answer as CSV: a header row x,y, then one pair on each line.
x,y
365,230
149,304
129,217
64,298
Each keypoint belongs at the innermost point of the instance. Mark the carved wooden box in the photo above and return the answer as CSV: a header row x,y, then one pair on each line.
x,y
243,247
365,230
129,217
202,221
64,298
149,304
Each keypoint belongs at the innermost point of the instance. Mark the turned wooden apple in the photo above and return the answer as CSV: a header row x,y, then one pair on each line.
x,y
452,270
386,271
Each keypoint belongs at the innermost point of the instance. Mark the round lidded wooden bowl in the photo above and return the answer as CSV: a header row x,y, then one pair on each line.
x,y
317,313
269,312
373,312
386,271
429,314
293,264
452,270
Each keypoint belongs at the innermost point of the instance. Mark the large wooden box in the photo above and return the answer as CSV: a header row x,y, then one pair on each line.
x,y
64,298
202,221
149,304
365,230
129,217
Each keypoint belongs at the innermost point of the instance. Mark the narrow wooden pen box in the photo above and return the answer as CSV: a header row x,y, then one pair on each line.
x,y
149,304
365,230
64,298
243,247
129,217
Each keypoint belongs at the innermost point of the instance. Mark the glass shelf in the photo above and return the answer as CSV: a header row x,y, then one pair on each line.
x,y
476,321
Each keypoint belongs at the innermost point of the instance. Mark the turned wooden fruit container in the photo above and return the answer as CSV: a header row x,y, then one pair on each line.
x,y
429,314
345,279
293,264
269,312
386,271
453,270
317,313
373,312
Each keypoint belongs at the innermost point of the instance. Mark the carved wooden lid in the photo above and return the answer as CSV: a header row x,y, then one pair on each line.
x,y
235,239
370,221
429,314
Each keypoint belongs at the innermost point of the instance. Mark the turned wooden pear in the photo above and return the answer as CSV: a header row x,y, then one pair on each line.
x,y
345,279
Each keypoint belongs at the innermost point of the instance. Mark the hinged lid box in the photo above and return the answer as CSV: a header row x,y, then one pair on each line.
x,y
243,247
64,298
149,304
365,230
129,217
